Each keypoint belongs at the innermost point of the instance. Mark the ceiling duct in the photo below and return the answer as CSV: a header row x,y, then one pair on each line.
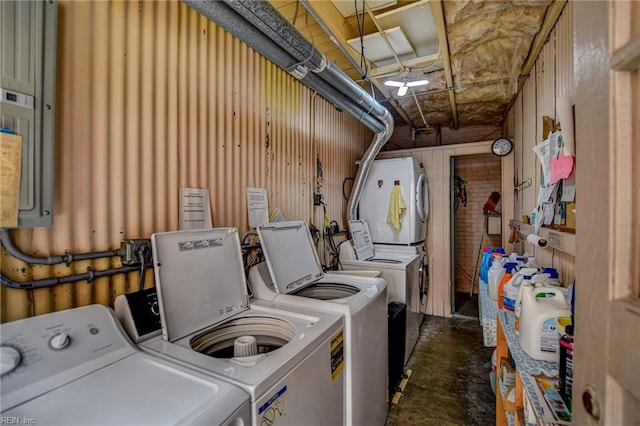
x,y
262,27
226,18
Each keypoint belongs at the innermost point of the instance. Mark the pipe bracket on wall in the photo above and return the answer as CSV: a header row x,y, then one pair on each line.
x,y
524,184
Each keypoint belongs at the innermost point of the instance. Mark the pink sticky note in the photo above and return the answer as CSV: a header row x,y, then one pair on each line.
x,y
561,167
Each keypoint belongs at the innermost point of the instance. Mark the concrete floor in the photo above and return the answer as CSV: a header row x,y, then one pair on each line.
x,y
450,381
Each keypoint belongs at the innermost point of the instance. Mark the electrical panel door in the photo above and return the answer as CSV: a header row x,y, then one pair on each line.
x,y
28,31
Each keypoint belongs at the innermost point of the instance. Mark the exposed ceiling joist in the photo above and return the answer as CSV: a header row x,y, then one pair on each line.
x,y
438,18
470,51
392,69
398,63
321,10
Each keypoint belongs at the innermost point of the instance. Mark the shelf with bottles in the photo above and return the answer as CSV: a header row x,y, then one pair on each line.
x,y
526,367
556,238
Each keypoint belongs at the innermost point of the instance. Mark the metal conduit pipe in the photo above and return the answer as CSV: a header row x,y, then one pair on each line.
x,y
332,36
222,15
262,15
53,281
344,51
268,20
7,243
370,154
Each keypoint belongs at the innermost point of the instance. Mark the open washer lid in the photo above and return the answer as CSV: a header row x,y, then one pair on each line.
x,y
361,237
290,254
200,279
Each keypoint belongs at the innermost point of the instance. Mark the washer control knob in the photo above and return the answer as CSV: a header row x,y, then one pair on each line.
x,y
10,358
59,341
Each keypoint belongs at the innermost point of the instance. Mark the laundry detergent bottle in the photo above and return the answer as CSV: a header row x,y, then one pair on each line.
x,y
525,287
540,309
485,263
509,270
511,288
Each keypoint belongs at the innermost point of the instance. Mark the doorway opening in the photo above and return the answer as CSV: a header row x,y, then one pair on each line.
x,y
476,182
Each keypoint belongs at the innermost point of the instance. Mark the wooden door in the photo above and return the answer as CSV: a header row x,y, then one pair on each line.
x,y
607,112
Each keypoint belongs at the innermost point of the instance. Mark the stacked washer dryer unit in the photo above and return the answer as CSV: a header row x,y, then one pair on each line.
x,y
400,256
288,359
292,274
78,367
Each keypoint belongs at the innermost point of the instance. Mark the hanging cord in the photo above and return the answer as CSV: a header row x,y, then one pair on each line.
x,y
344,194
360,21
252,258
252,253
295,14
339,264
143,269
332,243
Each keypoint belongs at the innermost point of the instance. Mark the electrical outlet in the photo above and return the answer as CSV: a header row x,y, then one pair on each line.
x,y
130,251
317,199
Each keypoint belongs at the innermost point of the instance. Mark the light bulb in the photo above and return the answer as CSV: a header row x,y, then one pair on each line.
x,y
402,91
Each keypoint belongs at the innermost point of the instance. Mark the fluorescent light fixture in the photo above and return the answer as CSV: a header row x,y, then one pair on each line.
x,y
403,86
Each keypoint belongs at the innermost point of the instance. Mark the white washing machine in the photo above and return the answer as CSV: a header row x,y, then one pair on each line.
x,y
290,360
403,270
77,367
292,263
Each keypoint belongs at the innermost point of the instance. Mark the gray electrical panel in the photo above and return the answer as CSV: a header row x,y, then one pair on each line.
x,y
28,33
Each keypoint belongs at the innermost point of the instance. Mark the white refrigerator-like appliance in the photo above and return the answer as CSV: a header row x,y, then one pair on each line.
x,y
375,201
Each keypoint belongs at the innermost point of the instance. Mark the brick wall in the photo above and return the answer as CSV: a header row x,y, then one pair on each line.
x,y
481,173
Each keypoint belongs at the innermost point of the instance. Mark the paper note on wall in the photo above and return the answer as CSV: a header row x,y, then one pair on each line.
x,y
561,168
195,210
546,151
257,206
569,188
11,171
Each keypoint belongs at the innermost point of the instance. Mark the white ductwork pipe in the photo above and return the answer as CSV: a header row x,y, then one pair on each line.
x,y
262,27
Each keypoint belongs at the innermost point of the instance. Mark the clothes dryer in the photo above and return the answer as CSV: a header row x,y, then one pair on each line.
x,y
292,274
402,270
78,367
408,174
289,359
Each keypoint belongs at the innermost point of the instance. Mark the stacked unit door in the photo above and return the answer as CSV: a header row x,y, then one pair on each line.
x,y
376,199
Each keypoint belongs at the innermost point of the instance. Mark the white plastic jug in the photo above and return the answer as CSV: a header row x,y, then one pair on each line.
x,y
525,285
510,289
540,308
495,275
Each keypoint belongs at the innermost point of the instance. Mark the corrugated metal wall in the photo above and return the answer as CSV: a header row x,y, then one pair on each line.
x,y
151,97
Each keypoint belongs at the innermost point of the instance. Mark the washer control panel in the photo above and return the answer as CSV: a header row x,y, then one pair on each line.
x,y
46,351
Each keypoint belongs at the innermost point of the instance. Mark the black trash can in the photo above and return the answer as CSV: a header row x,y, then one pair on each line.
x,y
397,315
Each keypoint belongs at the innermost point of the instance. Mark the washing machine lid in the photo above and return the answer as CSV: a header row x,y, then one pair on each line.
x,y
200,279
361,238
290,254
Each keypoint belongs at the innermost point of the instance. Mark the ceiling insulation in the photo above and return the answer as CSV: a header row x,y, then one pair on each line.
x,y
489,47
